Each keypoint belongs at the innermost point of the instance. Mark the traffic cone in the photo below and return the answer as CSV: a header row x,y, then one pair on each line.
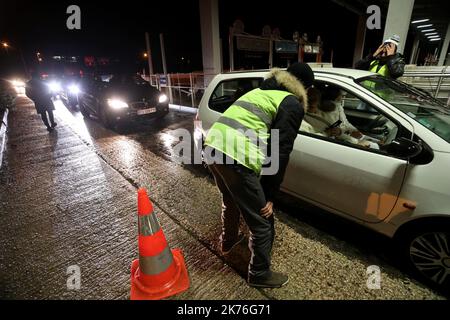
x,y
159,272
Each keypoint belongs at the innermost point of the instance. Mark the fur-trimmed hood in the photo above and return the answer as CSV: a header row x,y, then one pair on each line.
x,y
290,83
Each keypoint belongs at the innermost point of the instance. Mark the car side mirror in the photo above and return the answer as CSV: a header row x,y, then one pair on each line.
x,y
403,148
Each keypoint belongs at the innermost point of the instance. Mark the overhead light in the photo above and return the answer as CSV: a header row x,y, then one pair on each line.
x,y
428,30
419,21
435,36
435,39
424,26
431,34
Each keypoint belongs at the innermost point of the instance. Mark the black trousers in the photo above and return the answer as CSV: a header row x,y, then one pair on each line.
x,y
50,116
242,194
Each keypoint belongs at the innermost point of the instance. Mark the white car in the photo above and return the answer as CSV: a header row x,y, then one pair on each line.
x,y
401,190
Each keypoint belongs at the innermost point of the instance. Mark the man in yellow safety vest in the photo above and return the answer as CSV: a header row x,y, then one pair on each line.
x,y
386,61
237,144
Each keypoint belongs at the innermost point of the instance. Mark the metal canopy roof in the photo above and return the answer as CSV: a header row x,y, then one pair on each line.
x,y
438,11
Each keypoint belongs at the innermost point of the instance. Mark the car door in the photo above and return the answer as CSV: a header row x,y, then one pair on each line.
x,y
350,179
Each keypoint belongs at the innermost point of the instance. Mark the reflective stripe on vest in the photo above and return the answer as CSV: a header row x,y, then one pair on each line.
x,y
238,126
374,67
254,109
242,132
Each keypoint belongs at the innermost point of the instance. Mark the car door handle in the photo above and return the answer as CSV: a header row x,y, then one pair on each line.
x,y
409,205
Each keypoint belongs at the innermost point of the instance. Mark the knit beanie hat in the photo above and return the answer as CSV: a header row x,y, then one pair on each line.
x,y
302,72
395,39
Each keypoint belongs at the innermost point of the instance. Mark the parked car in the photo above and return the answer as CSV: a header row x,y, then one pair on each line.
x,y
401,190
123,98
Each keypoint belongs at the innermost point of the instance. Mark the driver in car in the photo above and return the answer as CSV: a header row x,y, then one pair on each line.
x,y
331,117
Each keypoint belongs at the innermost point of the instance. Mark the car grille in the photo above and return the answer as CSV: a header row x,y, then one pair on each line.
x,y
141,105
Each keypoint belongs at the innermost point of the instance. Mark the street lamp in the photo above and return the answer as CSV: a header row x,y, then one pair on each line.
x,y
5,44
145,55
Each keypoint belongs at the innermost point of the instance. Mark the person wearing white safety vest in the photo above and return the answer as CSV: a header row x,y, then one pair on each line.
x,y
239,139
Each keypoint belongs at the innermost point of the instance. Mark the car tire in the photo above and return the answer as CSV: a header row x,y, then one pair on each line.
x,y
425,252
84,111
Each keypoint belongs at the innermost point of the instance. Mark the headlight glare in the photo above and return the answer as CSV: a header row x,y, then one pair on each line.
x,y
55,86
117,104
74,89
18,83
162,98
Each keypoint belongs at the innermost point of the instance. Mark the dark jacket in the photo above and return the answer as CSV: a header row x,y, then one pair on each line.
x,y
288,120
395,64
39,92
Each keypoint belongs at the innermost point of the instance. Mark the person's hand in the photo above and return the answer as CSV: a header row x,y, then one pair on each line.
x,y
390,49
356,134
364,144
334,132
267,211
379,50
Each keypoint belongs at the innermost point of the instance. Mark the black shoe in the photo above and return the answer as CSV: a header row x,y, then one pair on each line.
x,y
49,129
272,280
54,124
227,247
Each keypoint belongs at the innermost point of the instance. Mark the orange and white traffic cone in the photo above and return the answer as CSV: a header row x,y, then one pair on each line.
x,y
159,272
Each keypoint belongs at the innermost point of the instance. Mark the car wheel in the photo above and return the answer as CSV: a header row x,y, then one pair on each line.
x,y
106,119
426,253
84,111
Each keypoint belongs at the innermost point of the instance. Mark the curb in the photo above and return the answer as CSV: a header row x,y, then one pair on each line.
x,y
3,129
183,108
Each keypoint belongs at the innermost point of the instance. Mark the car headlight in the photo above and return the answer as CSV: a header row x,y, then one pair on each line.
x,y
162,98
74,89
18,83
117,104
55,86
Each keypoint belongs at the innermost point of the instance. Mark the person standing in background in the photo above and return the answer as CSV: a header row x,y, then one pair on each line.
x,y
38,91
386,61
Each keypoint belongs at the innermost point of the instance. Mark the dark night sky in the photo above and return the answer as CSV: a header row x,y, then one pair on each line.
x,y
117,28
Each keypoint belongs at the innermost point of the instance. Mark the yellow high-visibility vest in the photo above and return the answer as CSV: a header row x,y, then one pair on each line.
x,y
243,130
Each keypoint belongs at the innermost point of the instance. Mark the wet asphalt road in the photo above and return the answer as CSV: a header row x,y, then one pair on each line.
x,y
325,256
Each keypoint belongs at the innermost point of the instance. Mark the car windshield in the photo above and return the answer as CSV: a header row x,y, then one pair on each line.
x,y
127,79
417,104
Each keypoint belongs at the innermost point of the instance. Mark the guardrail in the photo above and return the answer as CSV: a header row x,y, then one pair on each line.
x,y
7,96
184,89
3,130
435,80
187,89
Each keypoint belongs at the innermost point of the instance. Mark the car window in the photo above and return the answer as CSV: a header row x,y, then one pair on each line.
x,y
417,105
351,102
229,91
342,117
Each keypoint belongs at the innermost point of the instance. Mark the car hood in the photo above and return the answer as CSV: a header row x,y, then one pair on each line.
x,y
132,93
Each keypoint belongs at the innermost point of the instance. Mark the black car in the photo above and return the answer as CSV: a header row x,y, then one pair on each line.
x,y
121,99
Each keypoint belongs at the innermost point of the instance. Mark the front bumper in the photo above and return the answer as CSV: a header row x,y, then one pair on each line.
x,y
131,114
